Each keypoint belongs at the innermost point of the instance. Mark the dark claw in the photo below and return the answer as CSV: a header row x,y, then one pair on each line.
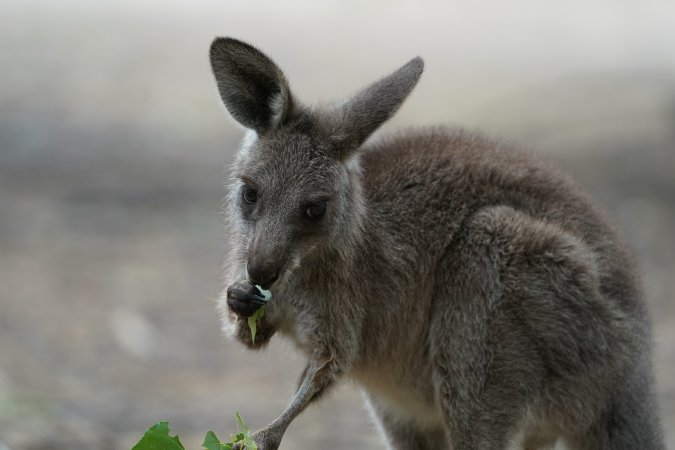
x,y
244,299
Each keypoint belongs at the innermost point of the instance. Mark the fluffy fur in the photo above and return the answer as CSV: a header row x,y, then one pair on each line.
x,y
474,292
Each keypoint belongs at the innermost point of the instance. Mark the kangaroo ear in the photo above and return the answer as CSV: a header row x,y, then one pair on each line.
x,y
366,111
251,85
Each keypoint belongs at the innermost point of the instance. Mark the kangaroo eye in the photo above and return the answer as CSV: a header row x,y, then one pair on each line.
x,y
316,210
250,195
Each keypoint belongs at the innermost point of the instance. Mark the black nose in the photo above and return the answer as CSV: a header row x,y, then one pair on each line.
x,y
263,276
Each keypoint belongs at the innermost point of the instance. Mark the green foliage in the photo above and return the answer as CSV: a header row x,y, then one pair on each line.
x,y
157,438
267,295
246,433
211,441
253,321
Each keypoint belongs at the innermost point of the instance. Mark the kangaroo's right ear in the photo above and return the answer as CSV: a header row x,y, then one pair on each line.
x,y
251,85
361,115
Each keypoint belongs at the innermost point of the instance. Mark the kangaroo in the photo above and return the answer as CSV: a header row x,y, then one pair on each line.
x,y
473,291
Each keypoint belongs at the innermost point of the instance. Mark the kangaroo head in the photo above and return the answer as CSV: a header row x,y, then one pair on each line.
x,y
295,184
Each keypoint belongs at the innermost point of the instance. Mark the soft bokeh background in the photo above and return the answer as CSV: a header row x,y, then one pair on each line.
x,y
112,148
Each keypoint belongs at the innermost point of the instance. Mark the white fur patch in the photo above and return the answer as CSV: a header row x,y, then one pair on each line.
x,y
400,401
227,325
248,141
278,107
374,419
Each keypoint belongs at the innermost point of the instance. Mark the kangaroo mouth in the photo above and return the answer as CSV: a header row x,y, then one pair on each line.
x,y
262,290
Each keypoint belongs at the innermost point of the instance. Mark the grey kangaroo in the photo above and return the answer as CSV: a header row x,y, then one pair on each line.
x,y
474,293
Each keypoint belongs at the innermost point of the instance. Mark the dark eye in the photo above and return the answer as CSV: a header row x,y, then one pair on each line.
x,y
250,195
316,210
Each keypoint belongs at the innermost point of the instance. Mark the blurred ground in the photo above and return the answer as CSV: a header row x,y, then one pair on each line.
x,y
112,147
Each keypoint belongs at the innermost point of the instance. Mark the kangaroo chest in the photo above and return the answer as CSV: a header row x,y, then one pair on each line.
x,y
400,399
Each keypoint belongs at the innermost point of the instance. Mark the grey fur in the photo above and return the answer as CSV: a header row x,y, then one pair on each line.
x,y
474,292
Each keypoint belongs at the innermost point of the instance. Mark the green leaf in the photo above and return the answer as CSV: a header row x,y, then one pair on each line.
x,y
211,442
250,443
267,295
243,428
157,438
239,437
253,321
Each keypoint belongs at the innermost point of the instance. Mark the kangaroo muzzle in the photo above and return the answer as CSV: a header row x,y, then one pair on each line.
x,y
265,264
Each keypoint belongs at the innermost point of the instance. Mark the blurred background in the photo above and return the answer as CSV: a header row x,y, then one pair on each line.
x,y
113,144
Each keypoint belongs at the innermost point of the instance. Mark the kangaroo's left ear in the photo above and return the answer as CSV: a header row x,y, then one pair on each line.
x,y
252,86
360,116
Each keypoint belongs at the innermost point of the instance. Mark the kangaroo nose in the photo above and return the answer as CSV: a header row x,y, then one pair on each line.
x,y
262,275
